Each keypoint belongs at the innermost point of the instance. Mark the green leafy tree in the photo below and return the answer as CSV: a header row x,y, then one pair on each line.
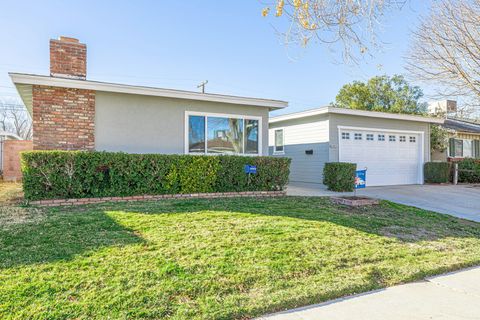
x,y
439,138
382,93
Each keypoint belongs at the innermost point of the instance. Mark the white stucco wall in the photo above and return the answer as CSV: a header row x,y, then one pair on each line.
x,y
146,124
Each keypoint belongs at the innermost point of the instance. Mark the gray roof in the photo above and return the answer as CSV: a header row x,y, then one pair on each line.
x,y
462,125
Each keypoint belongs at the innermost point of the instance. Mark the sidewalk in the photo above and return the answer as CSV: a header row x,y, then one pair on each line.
x,y
451,296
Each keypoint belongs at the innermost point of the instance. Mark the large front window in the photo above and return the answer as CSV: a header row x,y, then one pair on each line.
x,y
222,135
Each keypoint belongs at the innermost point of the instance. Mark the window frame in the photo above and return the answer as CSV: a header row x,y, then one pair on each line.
x,y
472,148
345,135
381,135
275,151
358,136
371,135
222,115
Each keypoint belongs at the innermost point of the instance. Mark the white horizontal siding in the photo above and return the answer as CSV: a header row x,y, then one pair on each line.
x,y
299,136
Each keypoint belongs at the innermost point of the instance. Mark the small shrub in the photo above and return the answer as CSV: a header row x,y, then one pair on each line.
x,y
78,174
437,172
469,171
339,176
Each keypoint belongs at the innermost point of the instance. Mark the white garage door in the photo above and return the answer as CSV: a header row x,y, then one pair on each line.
x,y
391,158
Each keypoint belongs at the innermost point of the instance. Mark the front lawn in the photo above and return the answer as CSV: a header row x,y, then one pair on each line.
x,y
10,192
215,259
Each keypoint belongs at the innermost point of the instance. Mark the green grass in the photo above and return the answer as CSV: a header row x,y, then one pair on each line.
x,y
216,259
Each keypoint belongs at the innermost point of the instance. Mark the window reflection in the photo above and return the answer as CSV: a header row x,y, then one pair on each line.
x,y
251,136
225,135
196,134
217,135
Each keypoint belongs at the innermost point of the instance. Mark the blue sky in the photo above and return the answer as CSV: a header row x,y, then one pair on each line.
x,y
177,44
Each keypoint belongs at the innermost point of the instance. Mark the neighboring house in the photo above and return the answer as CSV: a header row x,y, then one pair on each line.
x,y
463,135
463,142
393,147
4,135
72,113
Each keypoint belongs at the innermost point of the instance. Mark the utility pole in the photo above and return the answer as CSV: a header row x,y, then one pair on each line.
x,y
202,85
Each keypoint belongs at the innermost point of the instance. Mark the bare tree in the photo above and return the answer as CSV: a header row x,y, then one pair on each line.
x,y
22,125
445,51
14,118
352,24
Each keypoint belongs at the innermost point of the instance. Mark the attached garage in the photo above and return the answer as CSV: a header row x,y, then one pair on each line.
x,y
392,147
390,157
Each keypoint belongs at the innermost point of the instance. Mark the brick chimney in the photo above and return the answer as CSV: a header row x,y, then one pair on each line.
x,y
68,58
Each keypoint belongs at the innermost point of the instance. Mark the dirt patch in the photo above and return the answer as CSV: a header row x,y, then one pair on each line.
x,y
12,215
10,192
408,234
354,201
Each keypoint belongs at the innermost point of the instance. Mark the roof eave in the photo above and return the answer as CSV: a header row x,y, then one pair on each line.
x,y
362,113
29,79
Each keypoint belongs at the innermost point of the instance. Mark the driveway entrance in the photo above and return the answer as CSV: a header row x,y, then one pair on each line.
x,y
462,201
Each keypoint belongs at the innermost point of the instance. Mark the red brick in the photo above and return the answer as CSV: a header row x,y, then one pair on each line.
x,y
68,58
11,158
63,133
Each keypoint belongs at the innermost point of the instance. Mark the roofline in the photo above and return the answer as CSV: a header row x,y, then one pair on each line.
x,y
9,134
32,79
464,126
354,112
469,121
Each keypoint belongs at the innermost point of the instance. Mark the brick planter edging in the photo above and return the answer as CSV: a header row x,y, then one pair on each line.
x,y
355,202
80,201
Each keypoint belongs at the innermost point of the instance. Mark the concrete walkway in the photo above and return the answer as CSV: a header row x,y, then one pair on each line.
x,y
462,201
451,296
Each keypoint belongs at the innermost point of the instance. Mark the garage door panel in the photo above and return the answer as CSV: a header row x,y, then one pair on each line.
x,y
388,162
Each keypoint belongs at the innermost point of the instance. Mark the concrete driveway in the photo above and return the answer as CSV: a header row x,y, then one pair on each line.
x,y
461,201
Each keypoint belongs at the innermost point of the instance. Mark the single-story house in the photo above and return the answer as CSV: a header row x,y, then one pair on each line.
x,y
392,147
463,134
463,142
70,112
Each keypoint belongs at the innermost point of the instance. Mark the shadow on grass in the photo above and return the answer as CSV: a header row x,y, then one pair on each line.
x,y
66,232
69,231
391,220
57,236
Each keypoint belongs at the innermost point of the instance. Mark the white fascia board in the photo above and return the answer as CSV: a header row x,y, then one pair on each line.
x,y
30,79
353,112
299,115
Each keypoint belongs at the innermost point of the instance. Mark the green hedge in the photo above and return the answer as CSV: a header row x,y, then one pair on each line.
x,y
339,176
77,174
469,171
437,172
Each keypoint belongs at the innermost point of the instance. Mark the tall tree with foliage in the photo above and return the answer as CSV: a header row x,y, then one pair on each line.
x,y
382,93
